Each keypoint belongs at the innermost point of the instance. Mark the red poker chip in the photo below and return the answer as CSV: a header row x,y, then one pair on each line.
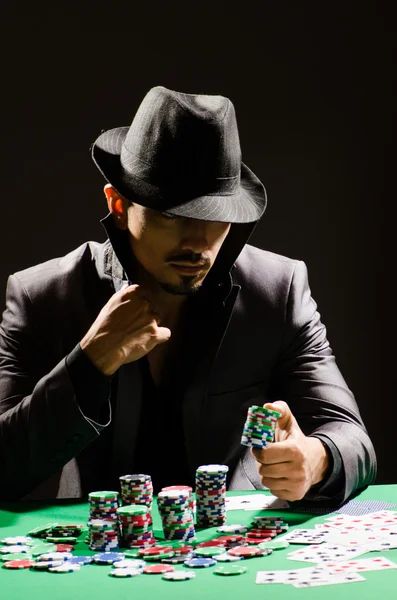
x,y
230,538
254,541
253,534
158,569
156,550
183,550
215,542
19,564
64,548
244,551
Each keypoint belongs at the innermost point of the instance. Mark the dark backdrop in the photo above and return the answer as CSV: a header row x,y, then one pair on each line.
x,y
312,86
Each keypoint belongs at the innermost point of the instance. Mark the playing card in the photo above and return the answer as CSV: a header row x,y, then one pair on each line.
x,y
285,576
320,553
354,537
355,566
305,536
335,579
255,502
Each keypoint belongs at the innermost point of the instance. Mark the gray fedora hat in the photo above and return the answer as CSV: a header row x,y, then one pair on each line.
x,y
182,155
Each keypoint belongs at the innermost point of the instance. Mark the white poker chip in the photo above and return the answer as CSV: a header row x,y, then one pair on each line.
x,y
129,563
179,575
46,564
64,556
227,557
125,572
15,549
232,529
65,567
18,540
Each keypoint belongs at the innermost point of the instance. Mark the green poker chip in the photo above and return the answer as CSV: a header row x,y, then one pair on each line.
x,y
14,556
274,545
230,570
209,551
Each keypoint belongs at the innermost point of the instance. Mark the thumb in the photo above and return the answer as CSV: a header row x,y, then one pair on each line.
x,y
286,421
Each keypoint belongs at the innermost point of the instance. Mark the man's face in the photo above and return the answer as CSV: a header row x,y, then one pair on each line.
x,y
176,251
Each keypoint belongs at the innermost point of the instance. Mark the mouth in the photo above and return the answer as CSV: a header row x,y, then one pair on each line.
x,y
188,269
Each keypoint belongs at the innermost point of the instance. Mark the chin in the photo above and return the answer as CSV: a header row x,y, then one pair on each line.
x,y
186,287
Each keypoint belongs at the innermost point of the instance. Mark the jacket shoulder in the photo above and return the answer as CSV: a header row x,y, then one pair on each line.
x,y
263,268
58,276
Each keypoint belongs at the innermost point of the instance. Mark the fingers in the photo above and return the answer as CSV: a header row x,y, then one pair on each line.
x,y
277,452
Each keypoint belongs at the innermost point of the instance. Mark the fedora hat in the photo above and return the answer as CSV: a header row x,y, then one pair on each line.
x,y
182,155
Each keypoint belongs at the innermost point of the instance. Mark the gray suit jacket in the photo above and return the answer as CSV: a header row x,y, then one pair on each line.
x,y
269,343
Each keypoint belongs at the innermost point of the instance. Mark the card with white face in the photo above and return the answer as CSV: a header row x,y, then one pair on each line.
x,y
285,576
377,563
354,538
330,580
320,553
305,536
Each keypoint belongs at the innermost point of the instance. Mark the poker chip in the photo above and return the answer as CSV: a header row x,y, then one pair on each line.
x,y
64,556
230,570
136,526
65,567
179,575
274,545
125,572
46,564
176,560
19,564
129,563
209,551
137,489
42,531
197,563
39,549
158,569
81,560
15,556
244,551
232,529
157,550
212,543
61,540
159,557
108,558
17,540
64,548
226,557
15,548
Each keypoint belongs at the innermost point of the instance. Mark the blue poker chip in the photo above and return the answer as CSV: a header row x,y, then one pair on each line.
x,y
194,563
81,560
108,558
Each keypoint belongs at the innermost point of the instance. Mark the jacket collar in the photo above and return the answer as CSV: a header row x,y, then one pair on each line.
x,y
120,266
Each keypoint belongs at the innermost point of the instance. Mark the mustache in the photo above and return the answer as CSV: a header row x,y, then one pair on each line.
x,y
191,257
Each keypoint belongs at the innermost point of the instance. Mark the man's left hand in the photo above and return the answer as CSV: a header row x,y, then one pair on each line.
x,y
293,462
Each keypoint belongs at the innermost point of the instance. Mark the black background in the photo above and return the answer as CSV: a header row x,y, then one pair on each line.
x,y
312,86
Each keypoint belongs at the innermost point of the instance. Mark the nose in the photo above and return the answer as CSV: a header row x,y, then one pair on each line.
x,y
195,236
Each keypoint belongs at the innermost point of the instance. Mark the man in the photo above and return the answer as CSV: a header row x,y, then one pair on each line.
x,y
144,353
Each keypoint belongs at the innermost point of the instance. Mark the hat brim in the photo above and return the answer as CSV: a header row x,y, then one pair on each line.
x,y
246,205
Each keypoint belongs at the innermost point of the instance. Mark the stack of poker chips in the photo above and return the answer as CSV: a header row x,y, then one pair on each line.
x,y
104,505
136,526
176,514
259,427
211,495
136,489
103,526
186,488
103,535
267,527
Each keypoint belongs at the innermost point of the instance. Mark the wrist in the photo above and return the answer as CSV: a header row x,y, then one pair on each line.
x,y
320,459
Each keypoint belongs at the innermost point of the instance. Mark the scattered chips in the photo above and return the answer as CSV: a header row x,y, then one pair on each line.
x,y
179,576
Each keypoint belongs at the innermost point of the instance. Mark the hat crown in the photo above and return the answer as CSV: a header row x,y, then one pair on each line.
x,y
186,142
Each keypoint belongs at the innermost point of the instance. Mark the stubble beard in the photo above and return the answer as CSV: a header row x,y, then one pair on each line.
x,y
186,287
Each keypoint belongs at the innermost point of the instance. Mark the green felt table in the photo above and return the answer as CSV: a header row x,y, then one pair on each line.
x,y
93,581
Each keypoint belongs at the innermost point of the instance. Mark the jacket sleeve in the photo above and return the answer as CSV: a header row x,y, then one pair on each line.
x,y
42,424
309,380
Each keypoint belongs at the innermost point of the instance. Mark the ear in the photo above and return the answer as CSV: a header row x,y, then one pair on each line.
x,y
117,205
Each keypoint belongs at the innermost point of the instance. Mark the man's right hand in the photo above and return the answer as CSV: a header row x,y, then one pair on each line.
x,y
125,330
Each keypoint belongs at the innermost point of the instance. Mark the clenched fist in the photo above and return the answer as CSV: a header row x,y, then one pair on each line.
x,y
125,330
294,462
